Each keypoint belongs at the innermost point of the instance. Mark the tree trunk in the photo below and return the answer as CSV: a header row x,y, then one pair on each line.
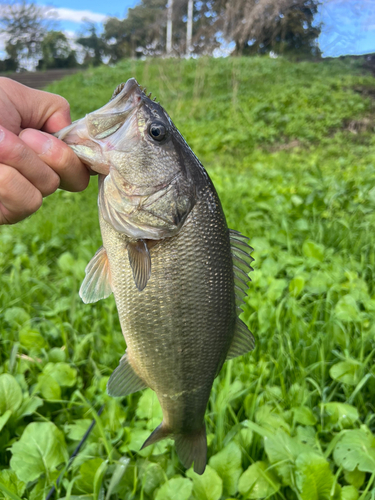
x,y
169,27
189,31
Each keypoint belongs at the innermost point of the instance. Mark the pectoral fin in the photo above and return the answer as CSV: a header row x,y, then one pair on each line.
x,y
124,380
97,282
140,262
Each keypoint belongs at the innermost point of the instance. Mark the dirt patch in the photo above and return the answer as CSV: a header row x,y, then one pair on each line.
x,y
367,123
365,91
360,126
283,147
40,79
369,63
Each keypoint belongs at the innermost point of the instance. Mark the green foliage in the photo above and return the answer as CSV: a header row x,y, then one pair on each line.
x,y
56,52
40,450
10,394
142,32
93,45
314,478
175,488
227,464
10,484
356,450
258,482
294,419
208,486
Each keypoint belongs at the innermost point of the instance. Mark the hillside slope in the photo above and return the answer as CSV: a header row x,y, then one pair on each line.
x,y
290,148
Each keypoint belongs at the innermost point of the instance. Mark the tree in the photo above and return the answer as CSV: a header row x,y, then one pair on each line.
x,y
189,28
94,45
117,39
8,64
207,17
259,26
142,32
169,26
255,26
24,24
57,52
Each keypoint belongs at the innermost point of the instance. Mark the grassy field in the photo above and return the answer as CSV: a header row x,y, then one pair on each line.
x,y
290,148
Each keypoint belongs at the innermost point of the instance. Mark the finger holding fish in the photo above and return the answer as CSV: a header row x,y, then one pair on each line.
x,y
24,179
72,174
32,163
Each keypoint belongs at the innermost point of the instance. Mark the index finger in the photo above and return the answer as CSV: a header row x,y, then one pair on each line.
x,y
37,109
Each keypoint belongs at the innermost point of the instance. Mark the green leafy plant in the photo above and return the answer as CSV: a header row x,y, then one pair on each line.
x,y
294,419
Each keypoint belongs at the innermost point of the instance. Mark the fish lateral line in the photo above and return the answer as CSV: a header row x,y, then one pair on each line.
x,y
182,393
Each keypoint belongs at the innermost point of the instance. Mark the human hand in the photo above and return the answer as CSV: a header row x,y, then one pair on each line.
x,y
33,163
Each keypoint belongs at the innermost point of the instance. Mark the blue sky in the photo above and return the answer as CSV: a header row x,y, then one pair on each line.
x,y
348,25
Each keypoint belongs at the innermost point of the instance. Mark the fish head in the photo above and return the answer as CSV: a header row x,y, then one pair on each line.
x,y
146,182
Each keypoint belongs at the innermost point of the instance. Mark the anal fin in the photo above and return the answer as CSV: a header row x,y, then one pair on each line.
x,y
161,432
140,262
124,380
97,283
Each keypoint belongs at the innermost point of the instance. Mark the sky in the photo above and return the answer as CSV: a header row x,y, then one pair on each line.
x,y
348,25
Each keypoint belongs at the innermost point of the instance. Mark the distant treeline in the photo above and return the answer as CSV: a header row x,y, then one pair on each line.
x,y
156,28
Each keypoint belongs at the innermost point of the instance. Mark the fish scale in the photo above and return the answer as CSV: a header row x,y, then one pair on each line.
x,y
176,312
178,274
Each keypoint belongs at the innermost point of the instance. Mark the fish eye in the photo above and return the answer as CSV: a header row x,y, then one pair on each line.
x,y
157,131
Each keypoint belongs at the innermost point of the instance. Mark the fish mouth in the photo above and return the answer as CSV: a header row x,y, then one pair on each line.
x,y
87,136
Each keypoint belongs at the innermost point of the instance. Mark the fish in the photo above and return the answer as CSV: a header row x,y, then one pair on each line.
x,y
178,274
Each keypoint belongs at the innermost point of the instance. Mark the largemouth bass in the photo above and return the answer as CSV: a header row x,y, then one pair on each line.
x,y
178,274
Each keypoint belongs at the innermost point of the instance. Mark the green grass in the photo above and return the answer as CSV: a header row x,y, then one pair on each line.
x,y
292,420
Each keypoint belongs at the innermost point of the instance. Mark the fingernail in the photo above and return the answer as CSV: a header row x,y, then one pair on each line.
x,y
38,141
2,134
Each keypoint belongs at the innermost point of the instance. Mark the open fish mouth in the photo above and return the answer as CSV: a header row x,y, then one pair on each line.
x,y
145,191
89,136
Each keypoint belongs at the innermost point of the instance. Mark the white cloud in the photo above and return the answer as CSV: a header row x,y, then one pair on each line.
x,y
63,14
77,16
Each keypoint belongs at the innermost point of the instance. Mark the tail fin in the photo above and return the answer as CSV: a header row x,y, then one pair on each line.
x,y
193,448
190,447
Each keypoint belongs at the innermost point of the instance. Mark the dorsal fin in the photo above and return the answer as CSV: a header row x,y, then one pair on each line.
x,y
243,340
117,90
242,259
